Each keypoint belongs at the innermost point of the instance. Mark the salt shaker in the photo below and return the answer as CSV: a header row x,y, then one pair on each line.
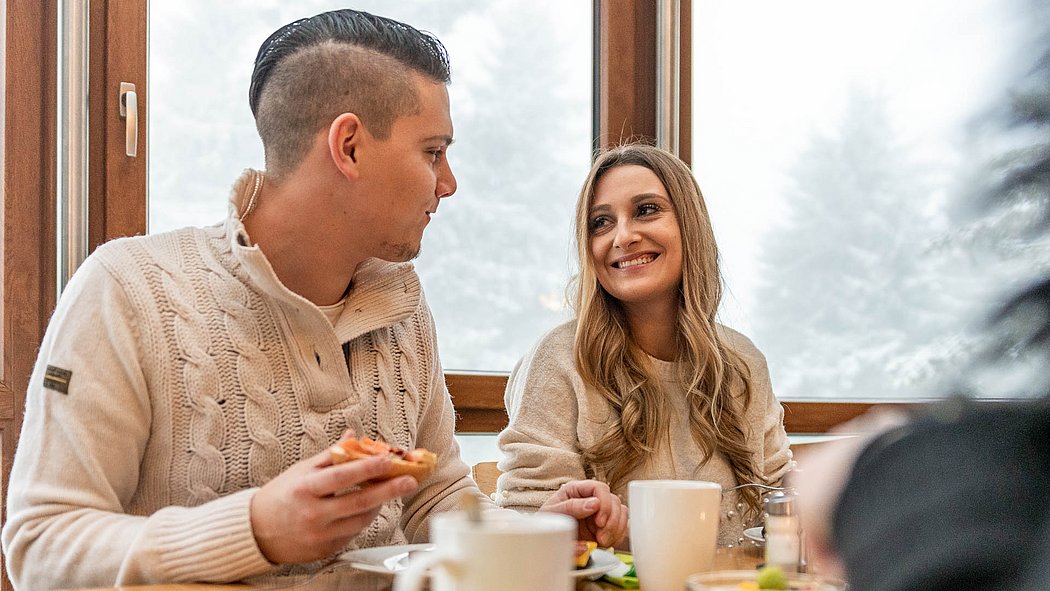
x,y
783,545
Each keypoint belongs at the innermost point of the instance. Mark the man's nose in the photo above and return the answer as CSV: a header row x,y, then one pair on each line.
x,y
446,184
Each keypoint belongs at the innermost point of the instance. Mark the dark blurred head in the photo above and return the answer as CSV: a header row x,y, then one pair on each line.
x,y
310,71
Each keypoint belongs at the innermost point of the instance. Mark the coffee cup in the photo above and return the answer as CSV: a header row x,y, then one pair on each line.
x,y
503,550
674,530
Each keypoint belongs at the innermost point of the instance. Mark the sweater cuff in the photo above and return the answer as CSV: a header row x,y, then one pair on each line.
x,y
213,542
519,499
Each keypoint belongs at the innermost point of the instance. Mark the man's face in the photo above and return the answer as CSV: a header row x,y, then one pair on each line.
x,y
405,175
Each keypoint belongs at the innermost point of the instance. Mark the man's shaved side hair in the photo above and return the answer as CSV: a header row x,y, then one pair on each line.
x,y
344,61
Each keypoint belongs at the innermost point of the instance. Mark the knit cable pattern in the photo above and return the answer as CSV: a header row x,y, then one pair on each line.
x,y
236,403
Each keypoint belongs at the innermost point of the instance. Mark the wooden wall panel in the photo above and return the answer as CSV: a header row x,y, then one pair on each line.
x,y
28,207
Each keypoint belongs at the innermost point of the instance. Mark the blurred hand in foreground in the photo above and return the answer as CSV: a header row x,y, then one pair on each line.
x,y
822,473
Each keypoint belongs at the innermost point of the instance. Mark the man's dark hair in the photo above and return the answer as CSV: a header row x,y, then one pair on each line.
x,y
311,70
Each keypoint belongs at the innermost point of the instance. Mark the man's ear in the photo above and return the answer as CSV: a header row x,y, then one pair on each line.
x,y
344,138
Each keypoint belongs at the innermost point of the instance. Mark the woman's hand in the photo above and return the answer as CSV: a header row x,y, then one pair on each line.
x,y
601,515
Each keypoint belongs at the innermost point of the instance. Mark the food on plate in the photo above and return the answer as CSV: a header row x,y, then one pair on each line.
x,y
771,577
583,552
417,463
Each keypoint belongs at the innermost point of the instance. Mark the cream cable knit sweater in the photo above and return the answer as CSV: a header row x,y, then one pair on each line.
x,y
196,378
553,416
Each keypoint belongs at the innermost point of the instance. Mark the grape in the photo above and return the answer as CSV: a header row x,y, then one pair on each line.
x,y
771,577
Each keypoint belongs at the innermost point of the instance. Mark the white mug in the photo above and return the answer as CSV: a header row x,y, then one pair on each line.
x,y
674,530
504,551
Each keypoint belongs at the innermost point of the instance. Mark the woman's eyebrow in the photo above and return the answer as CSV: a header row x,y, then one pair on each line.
x,y
644,196
634,200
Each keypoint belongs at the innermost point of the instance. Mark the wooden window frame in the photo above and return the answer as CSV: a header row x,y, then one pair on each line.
x,y
625,103
625,109
625,73
478,399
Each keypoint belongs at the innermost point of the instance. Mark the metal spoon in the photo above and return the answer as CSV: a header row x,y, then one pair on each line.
x,y
757,485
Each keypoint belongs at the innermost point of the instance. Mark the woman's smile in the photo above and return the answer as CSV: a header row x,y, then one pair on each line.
x,y
635,240
635,260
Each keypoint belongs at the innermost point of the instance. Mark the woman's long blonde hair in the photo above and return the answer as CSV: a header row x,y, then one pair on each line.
x,y
610,361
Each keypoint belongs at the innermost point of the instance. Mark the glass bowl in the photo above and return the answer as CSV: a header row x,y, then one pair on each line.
x,y
730,580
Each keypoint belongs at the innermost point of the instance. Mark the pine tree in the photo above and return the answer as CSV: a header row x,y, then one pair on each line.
x,y
496,288
843,294
998,244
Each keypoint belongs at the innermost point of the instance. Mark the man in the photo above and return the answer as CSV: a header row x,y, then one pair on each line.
x,y
190,383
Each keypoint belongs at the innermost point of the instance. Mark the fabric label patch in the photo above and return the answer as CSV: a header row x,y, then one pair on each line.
x,y
57,379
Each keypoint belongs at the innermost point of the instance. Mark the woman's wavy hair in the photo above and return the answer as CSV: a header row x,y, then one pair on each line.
x,y
612,363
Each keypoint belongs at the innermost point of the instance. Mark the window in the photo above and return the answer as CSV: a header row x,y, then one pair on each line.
x,y
495,261
841,148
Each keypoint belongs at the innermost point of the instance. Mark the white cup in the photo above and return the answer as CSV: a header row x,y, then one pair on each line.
x,y
504,551
674,530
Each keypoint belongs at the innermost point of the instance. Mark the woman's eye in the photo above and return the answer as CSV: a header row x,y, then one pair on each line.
x,y
598,223
647,209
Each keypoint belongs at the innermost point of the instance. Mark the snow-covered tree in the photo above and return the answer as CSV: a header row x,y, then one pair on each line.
x,y
843,293
496,258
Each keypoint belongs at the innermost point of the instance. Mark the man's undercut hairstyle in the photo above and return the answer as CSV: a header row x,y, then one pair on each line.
x,y
310,71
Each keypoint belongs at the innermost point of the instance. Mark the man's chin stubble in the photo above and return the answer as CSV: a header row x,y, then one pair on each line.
x,y
401,253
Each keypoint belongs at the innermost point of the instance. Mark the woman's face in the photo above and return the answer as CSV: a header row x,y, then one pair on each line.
x,y
635,243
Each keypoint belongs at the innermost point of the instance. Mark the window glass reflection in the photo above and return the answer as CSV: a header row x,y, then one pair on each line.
x,y
843,148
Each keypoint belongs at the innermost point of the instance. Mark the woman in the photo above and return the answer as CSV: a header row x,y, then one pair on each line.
x,y
643,384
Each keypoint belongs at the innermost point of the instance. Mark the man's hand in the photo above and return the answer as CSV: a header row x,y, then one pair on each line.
x,y
299,516
601,515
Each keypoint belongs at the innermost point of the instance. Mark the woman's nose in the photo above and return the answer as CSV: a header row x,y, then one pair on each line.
x,y
626,235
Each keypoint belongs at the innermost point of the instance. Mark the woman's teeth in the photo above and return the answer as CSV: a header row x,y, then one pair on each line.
x,y
633,262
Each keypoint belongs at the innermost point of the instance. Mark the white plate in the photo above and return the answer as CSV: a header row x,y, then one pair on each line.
x,y
389,560
601,563
754,533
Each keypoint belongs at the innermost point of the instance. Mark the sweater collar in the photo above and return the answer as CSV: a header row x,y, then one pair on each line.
x,y
381,294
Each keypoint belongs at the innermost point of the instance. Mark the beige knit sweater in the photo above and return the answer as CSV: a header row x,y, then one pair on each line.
x,y
553,416
196,378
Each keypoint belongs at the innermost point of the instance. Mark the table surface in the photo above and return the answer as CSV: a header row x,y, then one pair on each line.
x,y
349,579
